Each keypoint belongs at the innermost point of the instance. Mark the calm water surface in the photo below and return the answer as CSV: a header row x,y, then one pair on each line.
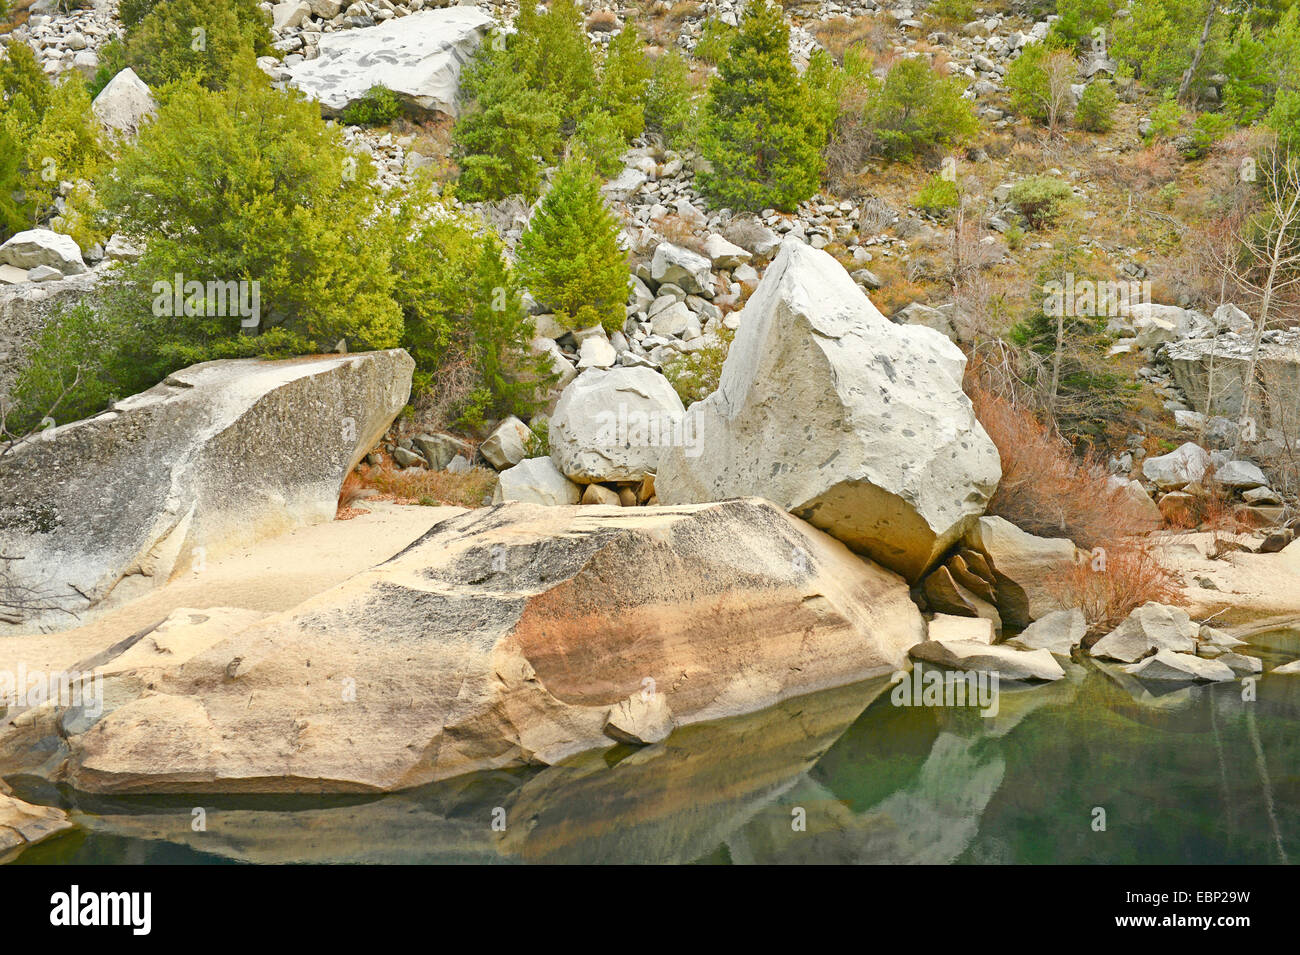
x,y
1187,775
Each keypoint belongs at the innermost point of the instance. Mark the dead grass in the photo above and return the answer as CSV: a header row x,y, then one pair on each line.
x,y
433,488
839,33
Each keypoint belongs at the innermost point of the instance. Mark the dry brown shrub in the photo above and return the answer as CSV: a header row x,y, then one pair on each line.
x,y
353,490
678,231
437,406
418,486
1145,170
1048,491
602,21
1112,582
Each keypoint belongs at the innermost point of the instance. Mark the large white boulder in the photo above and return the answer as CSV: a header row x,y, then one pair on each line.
x,y
216,456
37,247
536,481
1180,467
418,57
124,104
686,269
856,424
613,424
505,637
1150,627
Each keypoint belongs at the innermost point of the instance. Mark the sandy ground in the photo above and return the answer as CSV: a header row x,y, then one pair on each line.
x,y
271,575
1242,593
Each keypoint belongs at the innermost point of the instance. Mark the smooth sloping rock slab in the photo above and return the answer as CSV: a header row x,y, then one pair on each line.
x,y
1024,567
858,425
1007,662
216,456
508,636
417,57
22,825
1152,626
1180,667
612,424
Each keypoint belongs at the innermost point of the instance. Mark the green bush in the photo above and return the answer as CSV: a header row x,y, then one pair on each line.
x,y
601,141
76,365
131,12
377,107
938,196
569,256
1096,110
953,11
1040,199
526,94
1284,119
249,184
917,113
1166,119
760,134
1077,19
507,130
209,40
624,81
51,137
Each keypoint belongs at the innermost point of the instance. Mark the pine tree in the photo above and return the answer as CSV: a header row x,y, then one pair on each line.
x,y
624,79
508,129
569,255
761,135
511,376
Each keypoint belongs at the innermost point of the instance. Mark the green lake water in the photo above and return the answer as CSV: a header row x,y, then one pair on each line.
x,y
1193,774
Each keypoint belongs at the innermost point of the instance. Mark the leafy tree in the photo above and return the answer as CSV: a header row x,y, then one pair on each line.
x,y
1160,37
714,41
65,146
1039,81
434,253
760,136
569,256
1248,90
1082,391
210,40
15,213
